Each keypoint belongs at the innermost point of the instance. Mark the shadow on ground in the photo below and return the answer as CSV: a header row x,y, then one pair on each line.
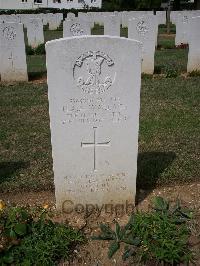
x,y
36,75
150,167
8,169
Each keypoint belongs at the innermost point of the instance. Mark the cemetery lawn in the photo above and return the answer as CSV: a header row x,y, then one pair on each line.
x,y
169,132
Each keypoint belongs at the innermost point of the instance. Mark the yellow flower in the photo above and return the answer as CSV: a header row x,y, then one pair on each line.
x,y
46,206
2,205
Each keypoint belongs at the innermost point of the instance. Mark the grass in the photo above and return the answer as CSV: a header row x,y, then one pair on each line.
x,y
168,125
169,131
167,144
52,34
36,66
25,138
175,59
29,236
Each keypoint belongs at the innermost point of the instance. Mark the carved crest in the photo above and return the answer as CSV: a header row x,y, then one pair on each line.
x,y
142,27
76,30
185,19
35,24
9,33
94,82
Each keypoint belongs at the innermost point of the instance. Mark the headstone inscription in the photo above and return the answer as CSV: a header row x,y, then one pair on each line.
x,y
94,106
194,45
76,27
12,52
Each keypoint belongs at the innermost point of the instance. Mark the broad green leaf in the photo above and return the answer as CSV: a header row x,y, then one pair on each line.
x,y
160,204
8,259
103,237
118,229
20,229
105,228
132,241
113,248
12,233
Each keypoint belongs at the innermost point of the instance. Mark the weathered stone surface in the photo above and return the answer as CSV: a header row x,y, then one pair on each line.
x,y
94,101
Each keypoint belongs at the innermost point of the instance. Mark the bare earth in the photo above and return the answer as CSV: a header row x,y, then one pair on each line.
x,y
94,253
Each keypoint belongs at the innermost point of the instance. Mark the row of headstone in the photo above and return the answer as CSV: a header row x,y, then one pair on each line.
x,y
143,29
34,24
54,20
124,16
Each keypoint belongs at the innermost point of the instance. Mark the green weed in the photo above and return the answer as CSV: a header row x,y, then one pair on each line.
x,y
30,237
161,235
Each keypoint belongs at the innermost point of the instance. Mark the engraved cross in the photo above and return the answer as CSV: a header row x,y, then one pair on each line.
x,y
11,58
94,145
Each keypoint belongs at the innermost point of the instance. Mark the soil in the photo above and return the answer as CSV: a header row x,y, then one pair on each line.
x,y
94,253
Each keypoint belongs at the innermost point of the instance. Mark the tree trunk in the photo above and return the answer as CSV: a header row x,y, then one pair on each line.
x,y
177,4
197,4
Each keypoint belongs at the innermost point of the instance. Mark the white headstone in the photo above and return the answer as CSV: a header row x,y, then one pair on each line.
x,y
112,25
53,21
182,29
45,19
59,17
194,45
161,17
84,16
70,15
124,19
94,101
12,52
76,27
96,17
144,29
35,32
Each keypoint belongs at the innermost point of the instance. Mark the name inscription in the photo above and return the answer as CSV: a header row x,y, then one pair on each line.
x,y
94,110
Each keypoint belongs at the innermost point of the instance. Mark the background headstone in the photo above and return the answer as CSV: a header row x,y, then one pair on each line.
x,y
112,25
35,32
12,52
144,29
76,27
194,45
53,21
182,29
